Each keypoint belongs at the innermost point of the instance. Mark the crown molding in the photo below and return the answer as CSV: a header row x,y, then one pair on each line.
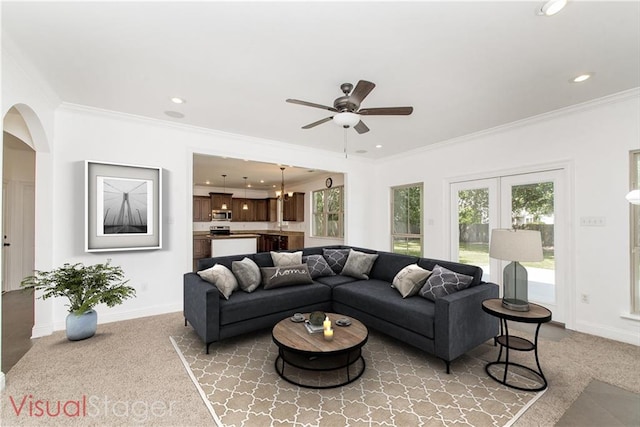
x,y
561,112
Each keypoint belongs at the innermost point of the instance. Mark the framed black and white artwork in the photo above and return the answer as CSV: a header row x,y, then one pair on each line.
x,y
123,205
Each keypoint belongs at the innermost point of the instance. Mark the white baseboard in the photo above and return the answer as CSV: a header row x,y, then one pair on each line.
x,y
2,383
104,316
617,334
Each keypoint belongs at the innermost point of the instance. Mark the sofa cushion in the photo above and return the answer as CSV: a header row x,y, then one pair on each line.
x,y
335,280
358,264
276,277
336,258
222,278
243,306
389,264
466,269
443,282
410,280
284,259
318,266
379,299
248,274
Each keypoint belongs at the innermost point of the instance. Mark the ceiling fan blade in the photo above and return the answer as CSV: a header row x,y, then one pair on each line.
x,y
361,127
362,89
319,122
311,104
386,111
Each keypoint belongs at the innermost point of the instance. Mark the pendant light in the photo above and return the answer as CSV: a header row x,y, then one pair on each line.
x,y
224,205
245,206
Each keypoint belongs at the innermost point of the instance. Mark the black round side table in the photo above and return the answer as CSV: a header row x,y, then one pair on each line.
x,y
536,314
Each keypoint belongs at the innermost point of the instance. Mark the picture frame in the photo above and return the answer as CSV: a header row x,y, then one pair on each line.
x,y
123,207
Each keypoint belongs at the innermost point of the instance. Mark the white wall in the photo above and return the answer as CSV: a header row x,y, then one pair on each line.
x,y
594,140
83,133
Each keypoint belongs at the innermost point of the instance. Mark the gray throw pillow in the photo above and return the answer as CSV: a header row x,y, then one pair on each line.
x,y
318,266
248,274
358,264
410,280
222,278
283,259
443,282
336,258
276,277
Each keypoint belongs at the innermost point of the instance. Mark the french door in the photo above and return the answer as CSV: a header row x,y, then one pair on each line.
x,y
533,201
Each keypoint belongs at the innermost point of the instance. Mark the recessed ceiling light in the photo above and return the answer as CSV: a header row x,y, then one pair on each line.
x,y
207,182
551,7
174,114
177,100
581,78
262,181
379,146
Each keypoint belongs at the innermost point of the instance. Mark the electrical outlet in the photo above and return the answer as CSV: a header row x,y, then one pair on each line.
x,y
584,298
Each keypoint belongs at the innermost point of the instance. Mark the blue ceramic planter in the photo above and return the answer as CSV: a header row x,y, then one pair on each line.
x,y
81,326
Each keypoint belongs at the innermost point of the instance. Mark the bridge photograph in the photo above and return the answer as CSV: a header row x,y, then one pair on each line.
x,y
125,205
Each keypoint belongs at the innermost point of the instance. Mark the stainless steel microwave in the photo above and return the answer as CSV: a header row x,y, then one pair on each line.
x,y
221,215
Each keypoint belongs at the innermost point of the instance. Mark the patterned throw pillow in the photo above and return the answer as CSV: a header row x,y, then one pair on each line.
x,y
336,258
248,274
283,259
318,266
410,280
276,277
358,264
443,282
222,278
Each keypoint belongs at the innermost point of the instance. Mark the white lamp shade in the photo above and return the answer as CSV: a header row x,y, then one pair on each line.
x,y
516,245
633,197
346,119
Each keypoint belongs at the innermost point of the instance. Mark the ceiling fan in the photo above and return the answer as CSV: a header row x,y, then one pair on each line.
x,y
348,110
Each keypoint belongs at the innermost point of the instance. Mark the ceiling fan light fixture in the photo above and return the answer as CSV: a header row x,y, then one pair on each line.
x,y
551,7
346,119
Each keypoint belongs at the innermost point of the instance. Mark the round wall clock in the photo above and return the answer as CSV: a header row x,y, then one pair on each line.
x,y
328,182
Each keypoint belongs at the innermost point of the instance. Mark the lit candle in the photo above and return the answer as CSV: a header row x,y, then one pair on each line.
x,y
328,334
327,323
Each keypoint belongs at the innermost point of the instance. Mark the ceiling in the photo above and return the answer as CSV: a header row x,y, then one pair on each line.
x,y
463,66
208,170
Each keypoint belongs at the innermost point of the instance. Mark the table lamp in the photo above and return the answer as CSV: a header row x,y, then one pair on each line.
x,y
515,246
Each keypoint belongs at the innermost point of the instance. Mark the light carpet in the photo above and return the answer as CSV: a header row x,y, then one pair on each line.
x,y
401,386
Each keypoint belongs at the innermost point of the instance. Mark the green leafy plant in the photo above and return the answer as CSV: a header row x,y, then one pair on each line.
x,y
84,286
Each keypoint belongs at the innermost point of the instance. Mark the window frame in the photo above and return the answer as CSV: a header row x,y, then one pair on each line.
x,y
326,213
394,235
634,234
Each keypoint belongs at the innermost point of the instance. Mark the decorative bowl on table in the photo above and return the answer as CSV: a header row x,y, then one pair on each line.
x,y
317,317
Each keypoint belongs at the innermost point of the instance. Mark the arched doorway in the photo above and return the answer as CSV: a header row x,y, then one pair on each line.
x,y
18,230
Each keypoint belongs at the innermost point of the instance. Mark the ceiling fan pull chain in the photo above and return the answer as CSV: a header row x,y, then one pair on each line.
x,y
345,143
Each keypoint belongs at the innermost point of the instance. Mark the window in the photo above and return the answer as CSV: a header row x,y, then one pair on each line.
x,y
328,213
406,217
635,235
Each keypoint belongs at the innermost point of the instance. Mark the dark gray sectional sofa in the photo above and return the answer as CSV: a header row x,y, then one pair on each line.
x,y
446,328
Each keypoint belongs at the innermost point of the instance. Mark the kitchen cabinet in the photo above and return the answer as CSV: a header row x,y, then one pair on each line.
x,y
272,209
280,242
218,199
294,208
261,210
201,248
201,209
240,214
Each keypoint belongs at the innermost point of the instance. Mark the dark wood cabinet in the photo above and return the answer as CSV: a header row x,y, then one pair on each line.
x,y
261,210
294,208
201,209
243,215
218,199
201,249
272,209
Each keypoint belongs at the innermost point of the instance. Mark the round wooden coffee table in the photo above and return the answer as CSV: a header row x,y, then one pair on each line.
x,y
313,362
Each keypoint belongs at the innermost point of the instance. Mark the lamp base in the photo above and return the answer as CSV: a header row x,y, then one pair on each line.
x,y
515,304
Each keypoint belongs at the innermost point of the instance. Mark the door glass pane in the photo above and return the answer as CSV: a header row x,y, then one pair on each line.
x,y
407,246
473,228
532,209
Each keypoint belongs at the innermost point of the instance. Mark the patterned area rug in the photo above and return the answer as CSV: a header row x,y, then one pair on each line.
x,y
401,386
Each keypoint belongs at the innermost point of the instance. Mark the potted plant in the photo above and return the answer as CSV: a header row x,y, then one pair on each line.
x,y
84,287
